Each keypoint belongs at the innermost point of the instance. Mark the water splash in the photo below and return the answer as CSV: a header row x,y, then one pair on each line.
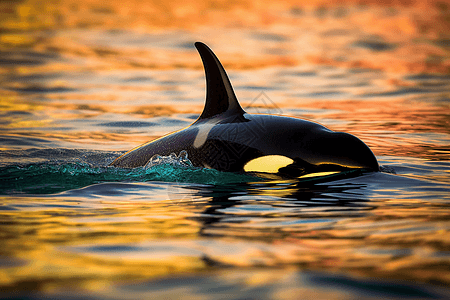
x,y
181,160
51,178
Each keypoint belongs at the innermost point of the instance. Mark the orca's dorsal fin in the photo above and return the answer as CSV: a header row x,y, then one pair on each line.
x,y
220,97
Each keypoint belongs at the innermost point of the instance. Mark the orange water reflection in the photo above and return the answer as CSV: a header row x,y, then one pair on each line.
x,y
390,35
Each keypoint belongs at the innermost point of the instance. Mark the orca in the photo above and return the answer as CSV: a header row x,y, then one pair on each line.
x,y
226,138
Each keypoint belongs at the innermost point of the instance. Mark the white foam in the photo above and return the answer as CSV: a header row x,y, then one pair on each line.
x,y
181,160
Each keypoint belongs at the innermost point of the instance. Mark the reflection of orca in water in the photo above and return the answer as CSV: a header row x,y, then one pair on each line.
x,y
227,138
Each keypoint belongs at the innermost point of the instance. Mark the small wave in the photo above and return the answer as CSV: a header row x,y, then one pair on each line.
x,y
47,178
387,169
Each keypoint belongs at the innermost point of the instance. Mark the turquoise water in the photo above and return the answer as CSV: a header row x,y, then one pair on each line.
x,y
70,171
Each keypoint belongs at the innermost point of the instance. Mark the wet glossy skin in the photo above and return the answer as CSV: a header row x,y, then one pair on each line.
x,y
232,142
226,138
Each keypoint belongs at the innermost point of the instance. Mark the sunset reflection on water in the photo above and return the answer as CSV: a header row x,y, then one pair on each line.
x,y
84,76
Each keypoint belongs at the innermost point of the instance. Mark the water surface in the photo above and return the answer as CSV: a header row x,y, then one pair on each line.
x,y
79,96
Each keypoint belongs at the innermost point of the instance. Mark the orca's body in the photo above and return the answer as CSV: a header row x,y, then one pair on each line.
x,y
226,138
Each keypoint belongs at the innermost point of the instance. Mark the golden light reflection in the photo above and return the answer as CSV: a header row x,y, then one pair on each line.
x,y
39,238
318,174
112,240
13,103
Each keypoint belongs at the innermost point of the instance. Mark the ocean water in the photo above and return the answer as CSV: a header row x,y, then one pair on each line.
x,y
73,228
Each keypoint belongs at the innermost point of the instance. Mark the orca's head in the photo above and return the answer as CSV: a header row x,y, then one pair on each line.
x,y
320,152
331,152
335,150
